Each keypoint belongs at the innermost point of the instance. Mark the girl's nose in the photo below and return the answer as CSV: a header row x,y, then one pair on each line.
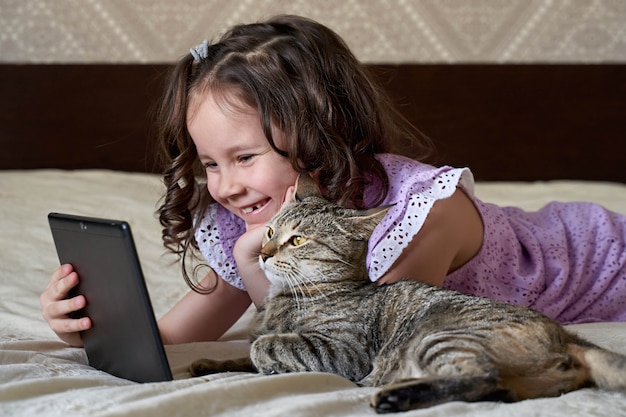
x,y
230,186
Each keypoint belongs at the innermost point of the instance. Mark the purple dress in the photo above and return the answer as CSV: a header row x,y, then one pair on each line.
x,y
565,260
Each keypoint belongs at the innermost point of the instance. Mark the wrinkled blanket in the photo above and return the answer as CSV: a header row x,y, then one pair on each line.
x,y
41,376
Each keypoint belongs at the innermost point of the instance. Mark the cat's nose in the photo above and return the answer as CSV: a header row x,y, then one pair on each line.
x,y
264,256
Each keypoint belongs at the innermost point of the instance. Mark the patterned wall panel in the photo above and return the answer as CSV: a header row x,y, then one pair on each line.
x,y
138,31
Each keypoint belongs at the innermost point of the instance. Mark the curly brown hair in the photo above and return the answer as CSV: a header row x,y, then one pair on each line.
x,y
303,80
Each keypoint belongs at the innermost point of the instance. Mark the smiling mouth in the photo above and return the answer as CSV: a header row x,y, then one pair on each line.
x,y
256,207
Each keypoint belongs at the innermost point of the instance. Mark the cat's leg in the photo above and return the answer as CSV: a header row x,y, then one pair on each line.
x,y
512,377
309,352
426,392
463,375
441,374
607,369
579,366
210,366
287,352
387,366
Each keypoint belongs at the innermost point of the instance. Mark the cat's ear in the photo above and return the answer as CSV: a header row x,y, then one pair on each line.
x,y
306,187
367,220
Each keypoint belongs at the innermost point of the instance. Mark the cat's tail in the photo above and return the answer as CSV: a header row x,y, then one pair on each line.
x,y
607,370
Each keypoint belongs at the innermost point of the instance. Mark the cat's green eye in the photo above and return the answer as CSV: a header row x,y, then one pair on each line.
x,y
297,240
270,232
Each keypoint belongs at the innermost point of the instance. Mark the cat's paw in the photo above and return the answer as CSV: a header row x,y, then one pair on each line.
x,y
410,394
384,402
210,366
395,399
205,367
274,368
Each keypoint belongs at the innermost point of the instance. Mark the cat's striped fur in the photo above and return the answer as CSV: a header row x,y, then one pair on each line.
x,y
423,345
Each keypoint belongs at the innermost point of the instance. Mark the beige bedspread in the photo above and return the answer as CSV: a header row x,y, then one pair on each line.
x,y
41,376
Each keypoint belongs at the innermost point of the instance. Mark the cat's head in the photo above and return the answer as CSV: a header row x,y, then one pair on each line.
x,y
311,240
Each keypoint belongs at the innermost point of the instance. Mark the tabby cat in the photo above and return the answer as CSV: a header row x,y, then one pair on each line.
x,y
423,345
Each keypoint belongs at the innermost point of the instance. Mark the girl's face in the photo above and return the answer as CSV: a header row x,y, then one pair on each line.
x,y
244,174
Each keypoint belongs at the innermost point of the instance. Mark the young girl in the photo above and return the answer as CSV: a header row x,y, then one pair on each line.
x,y
270,100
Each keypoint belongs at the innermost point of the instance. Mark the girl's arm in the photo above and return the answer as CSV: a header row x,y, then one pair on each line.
x,y
204,317
451,235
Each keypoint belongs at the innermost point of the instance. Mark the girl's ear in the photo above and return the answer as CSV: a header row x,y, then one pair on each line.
x,y
306,187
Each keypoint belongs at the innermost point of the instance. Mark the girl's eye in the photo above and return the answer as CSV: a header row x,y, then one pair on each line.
x,y
297,240
210,165
245,158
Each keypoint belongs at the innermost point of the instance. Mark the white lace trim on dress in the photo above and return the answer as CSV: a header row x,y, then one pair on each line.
x,y
211,246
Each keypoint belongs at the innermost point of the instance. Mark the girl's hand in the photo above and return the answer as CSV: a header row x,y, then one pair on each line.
x,y
246,253
56,307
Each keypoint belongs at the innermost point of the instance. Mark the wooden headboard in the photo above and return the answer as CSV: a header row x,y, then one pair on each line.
x,y
506,122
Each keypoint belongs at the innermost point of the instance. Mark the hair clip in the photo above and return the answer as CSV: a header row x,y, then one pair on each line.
x,y
200,52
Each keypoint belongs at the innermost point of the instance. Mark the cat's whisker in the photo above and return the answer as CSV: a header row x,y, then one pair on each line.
x,y
300,290
293,289
343,261
310,282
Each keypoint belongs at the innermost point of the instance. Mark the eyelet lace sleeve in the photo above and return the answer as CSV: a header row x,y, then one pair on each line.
x,y
216,232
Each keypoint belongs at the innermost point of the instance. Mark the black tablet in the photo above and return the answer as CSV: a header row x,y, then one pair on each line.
x,y
124,339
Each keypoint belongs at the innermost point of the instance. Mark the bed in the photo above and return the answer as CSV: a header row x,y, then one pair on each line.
x,y
84,152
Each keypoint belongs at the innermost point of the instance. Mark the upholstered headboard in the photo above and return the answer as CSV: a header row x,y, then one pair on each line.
x,y
505,121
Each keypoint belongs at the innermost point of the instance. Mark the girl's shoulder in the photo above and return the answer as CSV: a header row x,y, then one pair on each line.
x,y
408,177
